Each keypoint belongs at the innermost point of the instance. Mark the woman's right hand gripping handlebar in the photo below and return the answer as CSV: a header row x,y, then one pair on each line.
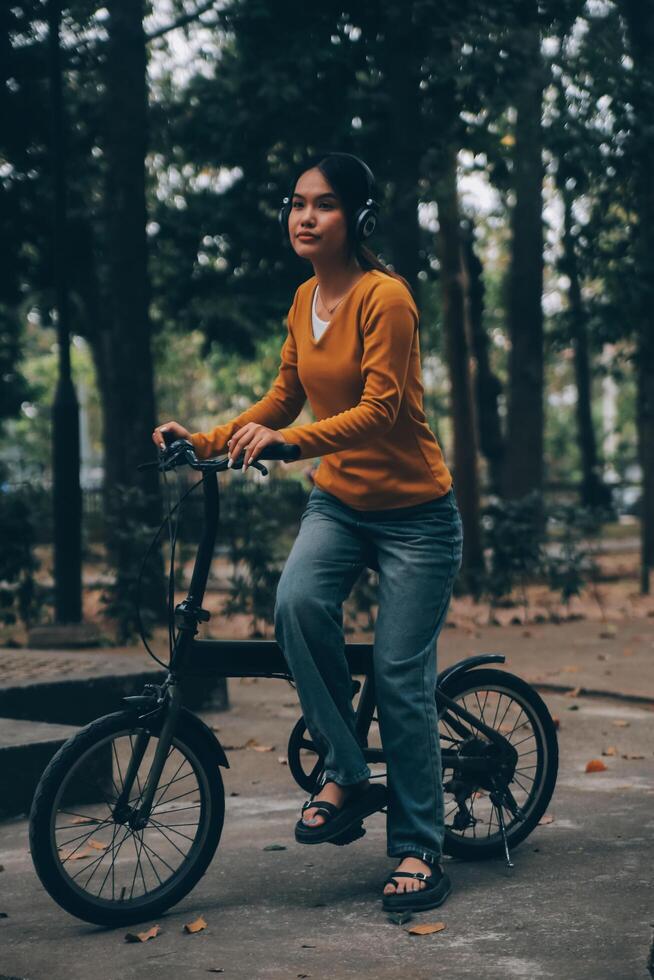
x,y
169,431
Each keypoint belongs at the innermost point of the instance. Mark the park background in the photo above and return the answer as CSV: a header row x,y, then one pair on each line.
x,y
144,152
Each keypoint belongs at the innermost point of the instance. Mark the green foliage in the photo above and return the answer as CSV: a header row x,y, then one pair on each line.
x,y
514,538
131,535
570,564
256,524
19,596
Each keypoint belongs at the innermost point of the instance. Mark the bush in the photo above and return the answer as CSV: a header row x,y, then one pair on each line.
x,y
19,596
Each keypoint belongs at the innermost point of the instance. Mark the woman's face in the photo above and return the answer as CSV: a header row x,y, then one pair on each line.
x,y
317,224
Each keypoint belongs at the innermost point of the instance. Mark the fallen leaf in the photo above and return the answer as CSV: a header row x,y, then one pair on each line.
x,y
263,748
98,845
142,937
573,693
573,707
425,928
620,723
608,632
557,721
84,820
611,750
76,855
274,847
196,926
595,765
548,818
282,760
215,969
627,652
235,748
633,755
571,668
308,946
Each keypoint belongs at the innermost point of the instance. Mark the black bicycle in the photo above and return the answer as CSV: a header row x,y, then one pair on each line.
x,y
129,812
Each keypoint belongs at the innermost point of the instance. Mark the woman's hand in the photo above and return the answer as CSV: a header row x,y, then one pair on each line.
x,y
251,440
171,428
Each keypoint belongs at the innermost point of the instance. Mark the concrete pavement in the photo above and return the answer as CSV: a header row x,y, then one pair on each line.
x,y
577,906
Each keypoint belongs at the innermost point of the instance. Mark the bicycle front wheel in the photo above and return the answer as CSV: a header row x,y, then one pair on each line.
x,y
84,850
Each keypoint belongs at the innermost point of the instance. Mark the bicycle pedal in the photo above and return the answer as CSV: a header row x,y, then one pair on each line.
x,y
349,835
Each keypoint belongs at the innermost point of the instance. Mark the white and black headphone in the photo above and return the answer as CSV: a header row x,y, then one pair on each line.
x,y
365,218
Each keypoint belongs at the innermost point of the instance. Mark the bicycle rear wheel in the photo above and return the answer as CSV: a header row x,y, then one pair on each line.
x,y
512,707
87,856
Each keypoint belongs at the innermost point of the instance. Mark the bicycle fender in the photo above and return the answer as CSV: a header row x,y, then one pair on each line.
x,y
206,734
468,664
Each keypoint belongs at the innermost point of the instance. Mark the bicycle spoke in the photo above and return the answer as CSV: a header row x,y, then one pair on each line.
x,y
159,825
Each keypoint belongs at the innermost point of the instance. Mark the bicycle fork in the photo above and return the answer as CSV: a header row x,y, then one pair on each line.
x,y
138,818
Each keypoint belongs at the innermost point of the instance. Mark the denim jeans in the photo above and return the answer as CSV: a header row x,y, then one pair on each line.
x,y
417,552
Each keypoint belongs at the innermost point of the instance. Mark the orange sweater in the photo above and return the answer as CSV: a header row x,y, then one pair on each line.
x,y
363,382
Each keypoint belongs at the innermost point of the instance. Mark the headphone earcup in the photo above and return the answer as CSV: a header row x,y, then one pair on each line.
x,y
365,220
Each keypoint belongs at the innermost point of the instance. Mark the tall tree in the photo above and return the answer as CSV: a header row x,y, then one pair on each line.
x,y
127,377
639,17
524,445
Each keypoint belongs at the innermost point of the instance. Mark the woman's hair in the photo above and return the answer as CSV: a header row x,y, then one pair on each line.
x,y
349,181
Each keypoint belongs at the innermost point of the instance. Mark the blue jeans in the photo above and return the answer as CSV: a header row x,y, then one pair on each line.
x,y
417,552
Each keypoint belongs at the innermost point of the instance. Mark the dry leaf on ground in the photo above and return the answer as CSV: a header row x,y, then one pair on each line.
x,y
263,748
425,928
97,845
548,818
573,693
196,926
611,750
620,723
142,937
83,852
84,820
282,760
557,721
571,669
595,765
633,755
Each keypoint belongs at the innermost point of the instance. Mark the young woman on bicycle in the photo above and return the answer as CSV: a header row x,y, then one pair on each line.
x,y
382,498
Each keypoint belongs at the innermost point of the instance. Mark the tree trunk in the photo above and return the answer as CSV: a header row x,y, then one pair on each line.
x,y
640,23
593,491
524,449
402,86
455,316
487,385
128,374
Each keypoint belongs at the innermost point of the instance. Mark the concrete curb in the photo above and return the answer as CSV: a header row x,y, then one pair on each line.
x,y
589,692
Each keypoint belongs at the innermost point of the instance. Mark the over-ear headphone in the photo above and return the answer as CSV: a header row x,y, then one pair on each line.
x,y
365,218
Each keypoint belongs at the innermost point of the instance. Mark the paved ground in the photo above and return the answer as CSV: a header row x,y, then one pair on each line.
x,y
577,906
613,659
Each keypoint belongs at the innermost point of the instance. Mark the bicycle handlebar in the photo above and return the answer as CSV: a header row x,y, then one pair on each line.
x,y
180,452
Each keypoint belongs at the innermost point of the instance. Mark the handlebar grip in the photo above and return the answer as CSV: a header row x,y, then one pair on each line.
x,y
168,437
286,451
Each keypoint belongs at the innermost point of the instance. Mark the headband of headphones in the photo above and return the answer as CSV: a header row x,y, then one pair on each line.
x,y
365,217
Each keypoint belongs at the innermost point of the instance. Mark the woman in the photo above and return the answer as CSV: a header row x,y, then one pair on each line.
x,y
382,497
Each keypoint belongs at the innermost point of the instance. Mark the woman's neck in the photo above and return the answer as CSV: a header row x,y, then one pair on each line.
x,y
334,280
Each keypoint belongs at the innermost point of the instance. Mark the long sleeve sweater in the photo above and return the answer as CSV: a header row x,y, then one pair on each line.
x,y
363,382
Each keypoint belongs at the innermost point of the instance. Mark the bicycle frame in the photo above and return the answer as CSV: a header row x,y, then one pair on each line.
x,y
264,658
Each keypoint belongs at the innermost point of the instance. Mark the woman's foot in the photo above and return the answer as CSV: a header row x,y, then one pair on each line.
x,y
330,793
411,864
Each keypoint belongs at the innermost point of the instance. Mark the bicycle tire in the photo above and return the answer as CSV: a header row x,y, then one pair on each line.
x,y
499,681
42,830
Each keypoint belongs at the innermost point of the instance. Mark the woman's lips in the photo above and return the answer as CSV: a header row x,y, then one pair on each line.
x,y
305,236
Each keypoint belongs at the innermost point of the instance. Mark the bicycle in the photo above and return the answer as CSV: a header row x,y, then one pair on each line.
x,y
128,814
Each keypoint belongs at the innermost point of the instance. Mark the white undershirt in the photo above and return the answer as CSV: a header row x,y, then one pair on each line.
x,y
319,326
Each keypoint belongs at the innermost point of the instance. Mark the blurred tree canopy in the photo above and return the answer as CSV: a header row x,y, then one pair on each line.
x,y
186,122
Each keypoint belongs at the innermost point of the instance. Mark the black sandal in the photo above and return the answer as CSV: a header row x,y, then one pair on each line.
x,y
342,824
437,887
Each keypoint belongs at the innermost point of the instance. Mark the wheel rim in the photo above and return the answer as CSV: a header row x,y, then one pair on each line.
x,y
106,862
501,709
